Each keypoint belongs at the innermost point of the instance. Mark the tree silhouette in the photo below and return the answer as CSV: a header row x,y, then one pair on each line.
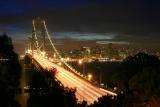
x,y
138,77
10,71
46,91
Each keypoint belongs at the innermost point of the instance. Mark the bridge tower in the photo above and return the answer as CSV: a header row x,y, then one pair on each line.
x,y
38,35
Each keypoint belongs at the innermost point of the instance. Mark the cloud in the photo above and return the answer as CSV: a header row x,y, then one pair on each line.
x,y
113,42
69,17
84,36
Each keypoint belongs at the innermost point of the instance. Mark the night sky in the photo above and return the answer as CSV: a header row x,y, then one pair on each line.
x,y
125,20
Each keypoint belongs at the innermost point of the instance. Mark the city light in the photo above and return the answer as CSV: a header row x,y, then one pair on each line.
x,y
62,59
89,76
43,53
29,51
115,88
54,55
68,59
80,61
60,63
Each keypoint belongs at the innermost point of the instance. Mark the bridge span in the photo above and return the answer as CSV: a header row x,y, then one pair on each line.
x,y
38,45
84,89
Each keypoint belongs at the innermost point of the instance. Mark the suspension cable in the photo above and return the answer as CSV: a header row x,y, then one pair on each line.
x,y
56,51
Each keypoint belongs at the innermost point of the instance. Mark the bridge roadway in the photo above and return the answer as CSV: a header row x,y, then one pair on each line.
x,y
84,90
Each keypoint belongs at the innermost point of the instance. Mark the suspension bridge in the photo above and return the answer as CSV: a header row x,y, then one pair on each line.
x,y
41,48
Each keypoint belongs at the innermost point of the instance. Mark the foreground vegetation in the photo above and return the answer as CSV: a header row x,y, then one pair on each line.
x,y
138,77
10,71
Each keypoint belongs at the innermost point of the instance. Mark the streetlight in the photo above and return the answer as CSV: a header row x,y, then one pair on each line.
x,y
68,59
62,59
100,74
80,62
83,64
89,77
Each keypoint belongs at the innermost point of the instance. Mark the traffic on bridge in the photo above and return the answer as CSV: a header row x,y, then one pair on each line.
x,y
84,89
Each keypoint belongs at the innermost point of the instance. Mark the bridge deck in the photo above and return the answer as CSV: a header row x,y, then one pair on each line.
x,y
85,90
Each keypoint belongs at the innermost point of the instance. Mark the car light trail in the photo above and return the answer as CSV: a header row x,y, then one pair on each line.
x,y
84,89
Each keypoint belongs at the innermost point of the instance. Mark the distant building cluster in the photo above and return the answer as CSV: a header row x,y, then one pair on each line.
x,y
108,53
